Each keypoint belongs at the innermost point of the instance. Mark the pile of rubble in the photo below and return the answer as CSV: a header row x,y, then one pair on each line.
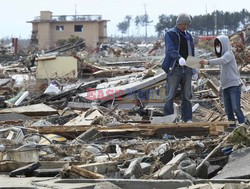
x,y
98,114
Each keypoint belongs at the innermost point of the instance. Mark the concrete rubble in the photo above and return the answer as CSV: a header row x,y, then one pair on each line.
x,y
99,122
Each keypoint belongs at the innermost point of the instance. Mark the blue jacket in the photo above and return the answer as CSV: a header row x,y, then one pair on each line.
x,y
172,45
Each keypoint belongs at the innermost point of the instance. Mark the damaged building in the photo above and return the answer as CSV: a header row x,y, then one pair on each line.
x,y
47,29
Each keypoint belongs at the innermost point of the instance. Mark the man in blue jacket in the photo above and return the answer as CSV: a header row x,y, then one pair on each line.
x,y
179,45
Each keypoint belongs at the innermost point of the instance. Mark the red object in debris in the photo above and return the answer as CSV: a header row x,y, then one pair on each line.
x,y
207,38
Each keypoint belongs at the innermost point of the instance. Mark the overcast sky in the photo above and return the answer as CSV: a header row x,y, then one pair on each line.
x,y
14,14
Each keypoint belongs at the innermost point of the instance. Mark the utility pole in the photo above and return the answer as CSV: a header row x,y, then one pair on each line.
x,y
75,12
146,22
215,22
206,15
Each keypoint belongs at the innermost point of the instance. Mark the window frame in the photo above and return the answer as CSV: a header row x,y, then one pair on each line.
x,y
60,28
80,28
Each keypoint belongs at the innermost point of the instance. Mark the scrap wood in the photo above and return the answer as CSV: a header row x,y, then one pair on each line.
x,y
218,106
80,129
51,57
213,86
210,71
128,126
112,73
143,129
216,118
209,115
84,173
128,63
203,91
32,110
181,124
245,102
214,128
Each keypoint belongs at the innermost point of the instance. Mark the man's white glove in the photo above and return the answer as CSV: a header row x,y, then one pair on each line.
x,y
182,62
195,77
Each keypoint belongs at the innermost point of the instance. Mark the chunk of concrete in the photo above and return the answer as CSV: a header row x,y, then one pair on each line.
x,y
213,170
146,168
134,169
237,166
166,171
188,167
179,174
203,171
106,185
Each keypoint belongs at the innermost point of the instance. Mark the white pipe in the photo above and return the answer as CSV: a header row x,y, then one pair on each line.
x,y
22,97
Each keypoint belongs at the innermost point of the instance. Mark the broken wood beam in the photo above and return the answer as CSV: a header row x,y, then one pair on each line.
x,y
213,86
85,173
203,91
141,129
218,107
31,110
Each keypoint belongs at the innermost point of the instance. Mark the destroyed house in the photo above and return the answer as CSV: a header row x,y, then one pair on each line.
x,y
47,29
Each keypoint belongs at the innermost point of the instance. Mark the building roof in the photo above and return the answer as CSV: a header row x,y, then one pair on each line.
x,y
70,18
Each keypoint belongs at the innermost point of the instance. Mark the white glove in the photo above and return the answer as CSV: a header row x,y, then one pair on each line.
x,y
182,62
195,77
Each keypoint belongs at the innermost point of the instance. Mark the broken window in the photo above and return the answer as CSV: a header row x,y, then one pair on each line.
x,y
59,28
78,28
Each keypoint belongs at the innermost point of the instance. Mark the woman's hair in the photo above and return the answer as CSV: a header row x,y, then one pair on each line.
x,y
217,43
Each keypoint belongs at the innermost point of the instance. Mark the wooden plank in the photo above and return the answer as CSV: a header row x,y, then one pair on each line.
x,y
218,107
128,63
128,127
202,91
209,115
85,173
51,57
212,85
141,129
31,110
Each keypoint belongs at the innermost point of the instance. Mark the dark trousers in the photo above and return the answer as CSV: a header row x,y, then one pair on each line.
x,y
179,76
